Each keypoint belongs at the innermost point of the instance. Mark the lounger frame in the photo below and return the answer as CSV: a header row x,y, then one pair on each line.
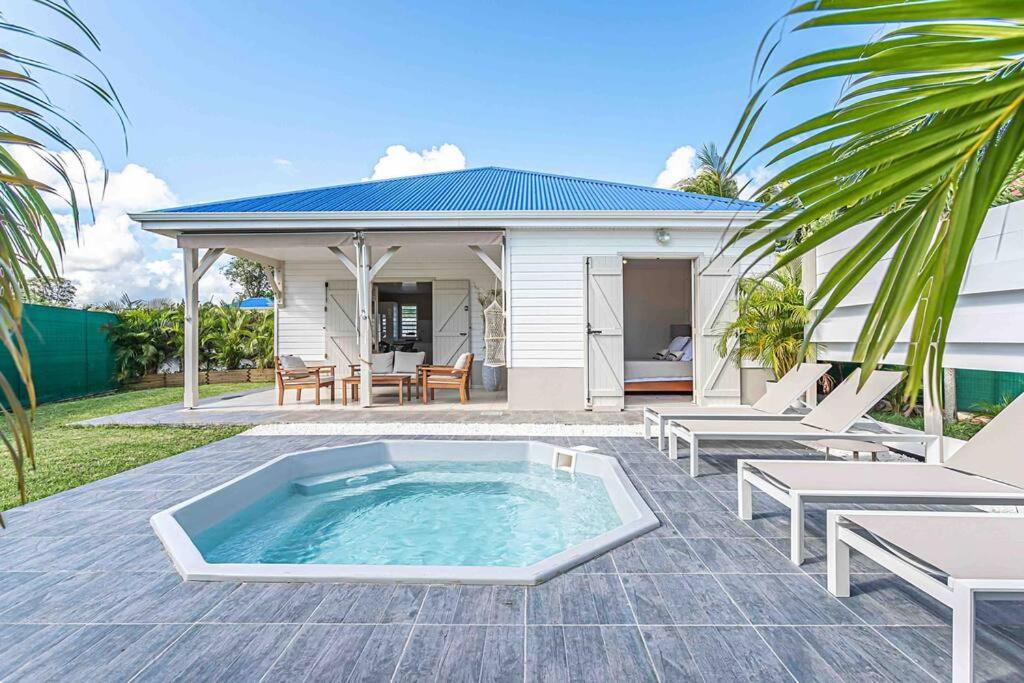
x,y
749,478
693,438
958,594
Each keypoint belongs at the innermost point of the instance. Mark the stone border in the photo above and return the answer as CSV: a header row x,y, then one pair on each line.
x,y
173,525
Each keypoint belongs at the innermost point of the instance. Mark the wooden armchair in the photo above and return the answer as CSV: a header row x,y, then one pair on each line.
x,y
291,372
447,377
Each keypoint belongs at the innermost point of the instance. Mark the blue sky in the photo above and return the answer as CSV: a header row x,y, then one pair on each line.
x,y
240,98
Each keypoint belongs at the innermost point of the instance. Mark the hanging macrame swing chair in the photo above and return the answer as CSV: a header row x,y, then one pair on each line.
x,y
494,345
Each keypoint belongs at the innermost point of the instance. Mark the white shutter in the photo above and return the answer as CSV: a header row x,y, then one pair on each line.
x,y
451,320
342,325
716,378
604,357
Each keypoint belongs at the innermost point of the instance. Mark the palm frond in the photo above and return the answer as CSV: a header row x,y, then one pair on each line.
x,y
928,133
31,120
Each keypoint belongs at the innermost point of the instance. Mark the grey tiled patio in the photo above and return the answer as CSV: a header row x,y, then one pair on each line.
x,y
87,593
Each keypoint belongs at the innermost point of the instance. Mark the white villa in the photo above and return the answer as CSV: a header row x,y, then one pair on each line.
x,y
597,278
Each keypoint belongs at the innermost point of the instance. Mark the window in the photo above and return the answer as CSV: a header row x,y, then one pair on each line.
x,y
410,321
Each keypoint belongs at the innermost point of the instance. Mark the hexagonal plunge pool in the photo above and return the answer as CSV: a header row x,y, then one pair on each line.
x,y
450,511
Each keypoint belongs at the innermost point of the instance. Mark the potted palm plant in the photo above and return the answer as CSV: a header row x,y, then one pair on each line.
x,y
770,322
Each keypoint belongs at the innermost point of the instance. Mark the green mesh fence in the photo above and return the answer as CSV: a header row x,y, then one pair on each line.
x,y
981,386
69,351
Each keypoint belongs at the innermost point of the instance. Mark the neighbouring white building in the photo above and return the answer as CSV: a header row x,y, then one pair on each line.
x,y
987,330
597,278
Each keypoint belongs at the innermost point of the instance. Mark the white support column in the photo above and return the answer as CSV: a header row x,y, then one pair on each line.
x,y
365,332
932,418
809,282
190,362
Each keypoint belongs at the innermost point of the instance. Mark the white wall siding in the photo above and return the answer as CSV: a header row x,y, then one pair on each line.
x,y
302,318
546,292
987,330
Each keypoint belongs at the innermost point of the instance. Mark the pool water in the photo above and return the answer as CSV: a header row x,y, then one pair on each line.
x,y
506,513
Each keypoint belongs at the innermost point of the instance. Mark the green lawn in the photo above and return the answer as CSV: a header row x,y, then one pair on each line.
x,y
957,430
69,456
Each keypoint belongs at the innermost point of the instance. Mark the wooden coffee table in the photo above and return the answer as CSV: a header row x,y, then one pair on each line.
x,y
403,382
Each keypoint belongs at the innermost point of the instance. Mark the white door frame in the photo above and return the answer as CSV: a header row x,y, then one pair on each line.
x,y
639,256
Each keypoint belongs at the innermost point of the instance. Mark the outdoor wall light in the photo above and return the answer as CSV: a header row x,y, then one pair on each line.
x,y
662,236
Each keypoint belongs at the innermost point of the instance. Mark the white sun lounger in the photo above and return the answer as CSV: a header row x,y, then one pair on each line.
x,y
987,470
831,419
955,557
773,405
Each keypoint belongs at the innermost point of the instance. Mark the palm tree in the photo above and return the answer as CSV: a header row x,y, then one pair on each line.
x,y
925,135
770,322
30,119
713,176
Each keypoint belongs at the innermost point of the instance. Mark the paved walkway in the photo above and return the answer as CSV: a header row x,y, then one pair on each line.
x,y
87,594
260,407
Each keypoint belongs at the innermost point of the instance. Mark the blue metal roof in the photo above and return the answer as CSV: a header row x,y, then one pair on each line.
x,y
257,302
477,189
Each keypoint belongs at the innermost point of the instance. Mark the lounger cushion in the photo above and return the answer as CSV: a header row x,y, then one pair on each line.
x,y
849,401
406,362
877,477
781,394
964,547
741,427
462,362
689,410
995,451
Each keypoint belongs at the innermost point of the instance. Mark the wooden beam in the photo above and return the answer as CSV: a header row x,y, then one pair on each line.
x,y
488,261
190,362
205,263
382,261
346,261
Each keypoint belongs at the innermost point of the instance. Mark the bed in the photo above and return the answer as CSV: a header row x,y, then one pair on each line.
x,y
662,376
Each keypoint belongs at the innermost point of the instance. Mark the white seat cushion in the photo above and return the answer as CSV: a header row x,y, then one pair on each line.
x,y
383,363
406,363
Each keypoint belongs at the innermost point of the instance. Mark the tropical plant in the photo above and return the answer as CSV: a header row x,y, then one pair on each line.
x,y
147,339
248,278
713,176
770,321
988,409
30,236
926,133
144,339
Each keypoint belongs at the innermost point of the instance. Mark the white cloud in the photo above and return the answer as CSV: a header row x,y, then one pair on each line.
x,y
751,184
678,166
284,164
111,254
399,161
